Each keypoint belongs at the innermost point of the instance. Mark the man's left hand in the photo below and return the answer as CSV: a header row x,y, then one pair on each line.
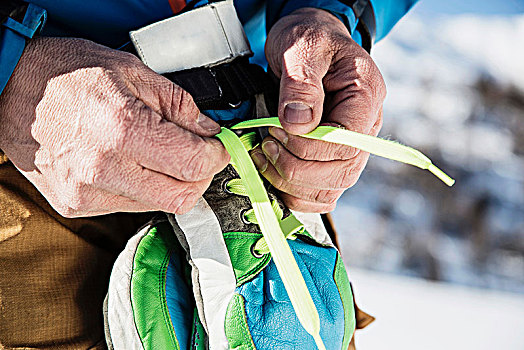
x,y
325,78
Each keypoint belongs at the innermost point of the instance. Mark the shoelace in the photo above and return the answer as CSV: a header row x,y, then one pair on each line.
x,y
374,145
290,226
269,218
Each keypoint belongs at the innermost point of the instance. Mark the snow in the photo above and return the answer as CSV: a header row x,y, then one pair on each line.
x,y
413,314
499,50
454,49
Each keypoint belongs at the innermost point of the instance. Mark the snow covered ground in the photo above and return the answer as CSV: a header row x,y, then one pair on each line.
x,y
417,314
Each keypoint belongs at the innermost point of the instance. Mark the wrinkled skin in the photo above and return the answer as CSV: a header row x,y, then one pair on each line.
x,y
97,132
325,78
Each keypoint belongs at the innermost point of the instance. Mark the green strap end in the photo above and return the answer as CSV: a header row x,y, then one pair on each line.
x,y
319,342
441,175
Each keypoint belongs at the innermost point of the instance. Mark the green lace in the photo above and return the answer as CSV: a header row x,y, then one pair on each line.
x,y
290,226
272,231
374,145
268,214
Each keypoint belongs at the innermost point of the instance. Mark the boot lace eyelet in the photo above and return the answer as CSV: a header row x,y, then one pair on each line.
x,y
224,187
243,217
254,252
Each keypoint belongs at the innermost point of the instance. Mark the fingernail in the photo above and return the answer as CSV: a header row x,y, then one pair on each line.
x,y
270,148
279,134
298,113
207,123
260,160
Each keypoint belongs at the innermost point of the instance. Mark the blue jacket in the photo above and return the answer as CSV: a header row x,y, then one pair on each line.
x,y
109,21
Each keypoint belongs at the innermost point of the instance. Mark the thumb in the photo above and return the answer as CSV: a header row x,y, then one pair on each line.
x,y
301,89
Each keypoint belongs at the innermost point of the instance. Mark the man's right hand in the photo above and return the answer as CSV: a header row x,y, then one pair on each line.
x,y
97,132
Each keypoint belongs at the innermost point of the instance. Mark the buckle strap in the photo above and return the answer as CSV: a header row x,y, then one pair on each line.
x,y
33,20
224,86
14,34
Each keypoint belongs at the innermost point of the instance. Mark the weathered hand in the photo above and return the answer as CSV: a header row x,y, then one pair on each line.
x,y
96,131
325,77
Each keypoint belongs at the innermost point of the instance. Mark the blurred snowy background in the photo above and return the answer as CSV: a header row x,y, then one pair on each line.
x,y
455,77
455,92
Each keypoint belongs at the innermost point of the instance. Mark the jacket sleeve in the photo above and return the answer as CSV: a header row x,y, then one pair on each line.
x,y
387,12
13,36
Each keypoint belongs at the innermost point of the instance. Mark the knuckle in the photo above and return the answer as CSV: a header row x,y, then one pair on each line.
x,y
66,212
378,88
366,96
279,183
371,78
302,82
183,202
194,168
328,208
346,177
119,138
365,66
288,171
344,152
314,151
309,35
97,72
381,85
116,121
173,205
294,203
326,196
96,170
73,202
129,60
123,124
301,151
131,66
187,205
182,101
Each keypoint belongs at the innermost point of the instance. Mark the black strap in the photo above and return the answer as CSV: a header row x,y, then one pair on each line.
x,y
224,86
12,8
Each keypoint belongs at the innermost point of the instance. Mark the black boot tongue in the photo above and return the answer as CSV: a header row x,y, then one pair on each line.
x,y
228,207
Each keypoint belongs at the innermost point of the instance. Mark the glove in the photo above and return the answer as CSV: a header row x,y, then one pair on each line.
x,y
239,294
198,281
150,304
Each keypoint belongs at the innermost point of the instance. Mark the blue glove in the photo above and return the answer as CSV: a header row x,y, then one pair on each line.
x,y
260,314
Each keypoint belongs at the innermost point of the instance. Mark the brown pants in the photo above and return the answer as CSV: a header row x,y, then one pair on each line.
x,y
54,271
